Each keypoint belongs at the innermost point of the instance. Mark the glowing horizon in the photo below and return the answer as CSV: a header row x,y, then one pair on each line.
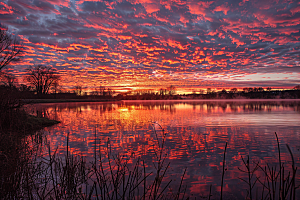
x,y
130,44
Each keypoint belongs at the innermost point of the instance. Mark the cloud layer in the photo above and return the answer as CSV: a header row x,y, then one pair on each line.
x,y
156,43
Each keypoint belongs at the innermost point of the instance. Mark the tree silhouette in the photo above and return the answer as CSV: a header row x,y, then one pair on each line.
x,y
9,48
208,91
8,79
42,78
224,91
162,91
245,89
250,89
260,89
172,90
78,90
233,90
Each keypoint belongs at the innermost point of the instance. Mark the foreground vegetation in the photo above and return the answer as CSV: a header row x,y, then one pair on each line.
x,y
26,174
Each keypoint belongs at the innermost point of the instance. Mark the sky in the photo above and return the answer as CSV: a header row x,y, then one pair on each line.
x,y
152,44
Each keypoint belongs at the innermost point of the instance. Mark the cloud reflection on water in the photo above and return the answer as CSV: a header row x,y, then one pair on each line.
x,y
196,134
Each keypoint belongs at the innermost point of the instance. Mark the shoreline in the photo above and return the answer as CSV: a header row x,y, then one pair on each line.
x,y
38,101
34,123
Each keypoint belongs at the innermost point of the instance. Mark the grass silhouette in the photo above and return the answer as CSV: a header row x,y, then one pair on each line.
x,y
26,175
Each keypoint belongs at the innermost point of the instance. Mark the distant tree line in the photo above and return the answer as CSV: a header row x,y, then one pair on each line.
x,y
162,94
248,93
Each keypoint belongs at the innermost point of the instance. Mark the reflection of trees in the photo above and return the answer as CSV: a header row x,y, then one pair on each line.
x,y
210,107
234,107
223,106
168,107
51,110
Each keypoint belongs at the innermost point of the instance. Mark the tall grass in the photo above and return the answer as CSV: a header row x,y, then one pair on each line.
x,y
108,176
271,181
26,175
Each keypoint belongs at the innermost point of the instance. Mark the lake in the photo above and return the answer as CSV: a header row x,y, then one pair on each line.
x,y
196,134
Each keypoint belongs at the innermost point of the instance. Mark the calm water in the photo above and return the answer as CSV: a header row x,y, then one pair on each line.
x,y
196,135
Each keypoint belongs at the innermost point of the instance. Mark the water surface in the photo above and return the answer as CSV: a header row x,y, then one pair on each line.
x,y
196,134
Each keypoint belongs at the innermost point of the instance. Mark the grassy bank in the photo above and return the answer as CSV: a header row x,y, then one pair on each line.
x,y
17,121
37,123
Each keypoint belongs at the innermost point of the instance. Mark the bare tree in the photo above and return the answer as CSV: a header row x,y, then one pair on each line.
x,y
9,48
172,90
208,90
8,79
162,91
101,90
42,78
55,86
25,88
78,90
109,92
